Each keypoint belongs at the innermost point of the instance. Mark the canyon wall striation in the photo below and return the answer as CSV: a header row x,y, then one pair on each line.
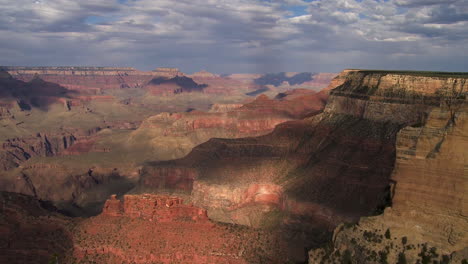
x,y
332,167
427,218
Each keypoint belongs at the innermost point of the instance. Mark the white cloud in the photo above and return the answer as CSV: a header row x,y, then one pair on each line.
x,y
231,35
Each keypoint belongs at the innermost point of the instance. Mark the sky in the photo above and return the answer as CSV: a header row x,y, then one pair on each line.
x,y
237,36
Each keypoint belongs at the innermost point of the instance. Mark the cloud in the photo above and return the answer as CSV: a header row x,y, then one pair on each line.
x,y
236,35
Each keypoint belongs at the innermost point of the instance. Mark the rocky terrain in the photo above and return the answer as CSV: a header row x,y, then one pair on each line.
x,y
427,220
372,167
137,229
174,135
329,168
93,142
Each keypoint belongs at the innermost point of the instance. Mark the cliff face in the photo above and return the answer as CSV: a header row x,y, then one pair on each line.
x,y
428,219
174,135
93,79
15,151
33,93
338,162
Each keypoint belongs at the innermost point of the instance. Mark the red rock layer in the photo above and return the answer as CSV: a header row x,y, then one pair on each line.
x,y
338,162
150,207
154,228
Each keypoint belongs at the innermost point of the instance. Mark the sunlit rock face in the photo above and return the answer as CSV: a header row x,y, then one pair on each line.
x,y
427,220
143,228
150,228
335,166
431,181
173,135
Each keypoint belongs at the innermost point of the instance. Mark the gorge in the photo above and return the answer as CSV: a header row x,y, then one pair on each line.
x,y
371,169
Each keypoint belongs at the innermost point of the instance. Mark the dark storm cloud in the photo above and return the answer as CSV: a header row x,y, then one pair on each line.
x,y
237,35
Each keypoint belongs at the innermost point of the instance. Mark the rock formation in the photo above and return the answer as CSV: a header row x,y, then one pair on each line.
x,y
161,229
93,79
35,93
140,229
301,164
332,167
174,135
159,208
427,220
175,85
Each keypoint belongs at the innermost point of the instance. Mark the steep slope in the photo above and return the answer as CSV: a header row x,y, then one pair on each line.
x,y
31,232
34,93
428,219
174,135
328,168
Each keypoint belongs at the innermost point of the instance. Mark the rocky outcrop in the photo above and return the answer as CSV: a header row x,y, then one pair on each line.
x,y
223,108
140,229
156,228
338,162
167,72
15,151
427,220
174,135
158,208
33,93
293,80
77,191
175,85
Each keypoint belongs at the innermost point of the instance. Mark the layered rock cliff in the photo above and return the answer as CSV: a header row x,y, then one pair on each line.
x,y
428,219
93,79
174,135
332,167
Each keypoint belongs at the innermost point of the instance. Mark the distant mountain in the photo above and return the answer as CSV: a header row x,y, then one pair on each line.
x,y
35,93
184,84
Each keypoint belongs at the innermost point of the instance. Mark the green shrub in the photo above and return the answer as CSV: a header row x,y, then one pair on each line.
x,y
402,258
387,234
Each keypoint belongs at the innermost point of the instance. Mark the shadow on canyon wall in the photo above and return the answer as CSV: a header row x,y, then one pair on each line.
x,y
36,93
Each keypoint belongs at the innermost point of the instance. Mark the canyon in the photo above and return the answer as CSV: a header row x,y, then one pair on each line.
x,y
254,169
330,168
100,138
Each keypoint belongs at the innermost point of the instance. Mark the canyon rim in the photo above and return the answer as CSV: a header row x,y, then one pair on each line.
x,y
241,131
